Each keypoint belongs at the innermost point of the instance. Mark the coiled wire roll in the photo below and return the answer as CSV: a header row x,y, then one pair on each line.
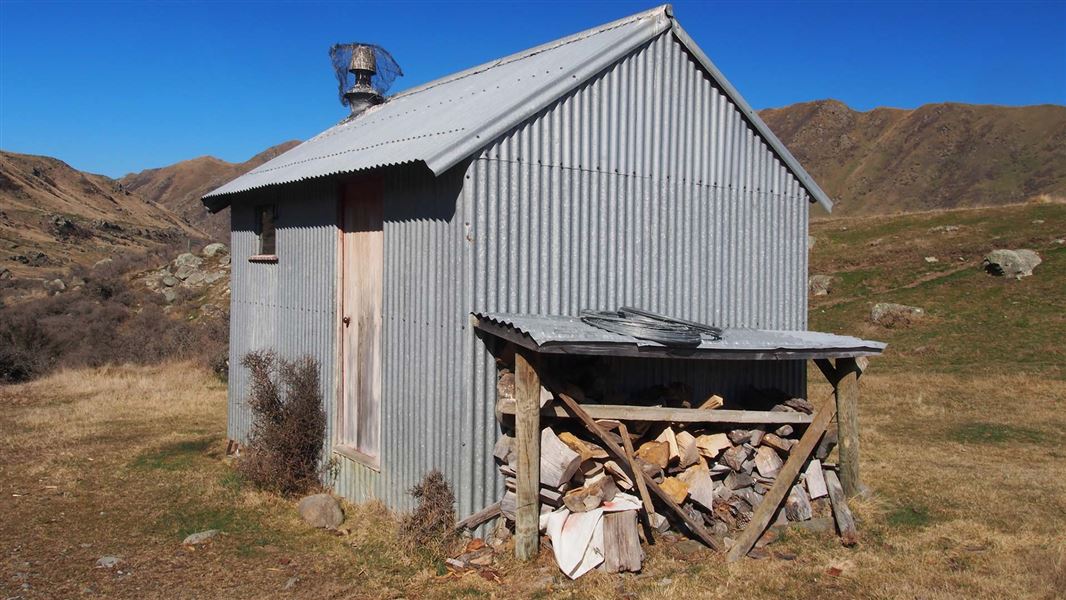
x,y
644,325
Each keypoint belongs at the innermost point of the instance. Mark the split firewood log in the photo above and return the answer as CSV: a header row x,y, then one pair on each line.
x,y
715,401
740,436
735,457
655,453
777,443
670,438
504,449
815,480
767,461
558,462
700,485
710,446
797,506
784,430
688,451
675,488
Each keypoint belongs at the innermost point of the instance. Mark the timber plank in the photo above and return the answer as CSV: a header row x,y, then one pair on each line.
x,y
622,412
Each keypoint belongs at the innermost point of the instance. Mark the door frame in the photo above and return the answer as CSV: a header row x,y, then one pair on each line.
x,y
341,446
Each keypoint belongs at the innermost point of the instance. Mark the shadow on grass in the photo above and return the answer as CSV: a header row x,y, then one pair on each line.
x,y
173,457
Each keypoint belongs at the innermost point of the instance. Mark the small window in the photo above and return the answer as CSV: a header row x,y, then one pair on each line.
x,y
264,228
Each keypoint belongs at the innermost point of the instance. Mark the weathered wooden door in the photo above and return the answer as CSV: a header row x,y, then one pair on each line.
x,y
362,256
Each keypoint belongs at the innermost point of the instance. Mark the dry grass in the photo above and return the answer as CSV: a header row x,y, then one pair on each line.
x,y
127,461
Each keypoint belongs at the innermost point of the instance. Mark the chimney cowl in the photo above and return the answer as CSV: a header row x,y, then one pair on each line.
x,y
364,72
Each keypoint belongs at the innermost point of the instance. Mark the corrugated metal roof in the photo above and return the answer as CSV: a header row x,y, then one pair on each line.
x,y
557,332
444,121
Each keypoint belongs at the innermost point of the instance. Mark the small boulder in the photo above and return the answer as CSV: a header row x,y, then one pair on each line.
x,y
169,295
199,537
188,260
213,276
931,259
1011,263
887,314
184,271
5,274
103,262
108,562
195,278
819,285
321,510
170,281
215,248
55,286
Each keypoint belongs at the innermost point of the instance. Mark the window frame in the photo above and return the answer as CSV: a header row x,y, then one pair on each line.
x,y
265,254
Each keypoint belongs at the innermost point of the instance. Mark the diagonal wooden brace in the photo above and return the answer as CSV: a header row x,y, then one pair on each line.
x,y
799,454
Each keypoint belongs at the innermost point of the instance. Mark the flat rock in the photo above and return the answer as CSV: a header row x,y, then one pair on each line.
x,y
187,259
321,510
888,314
1011,263
199,537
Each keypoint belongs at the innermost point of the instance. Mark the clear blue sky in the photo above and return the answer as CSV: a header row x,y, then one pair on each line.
x,y
114,87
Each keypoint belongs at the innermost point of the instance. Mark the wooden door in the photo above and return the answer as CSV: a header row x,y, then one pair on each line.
x,y
362,256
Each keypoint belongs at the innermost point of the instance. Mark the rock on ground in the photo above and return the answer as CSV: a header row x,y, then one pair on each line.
x,y
215,248
1011,263
199,537
819,285
108,562
887,314
187,259
321,510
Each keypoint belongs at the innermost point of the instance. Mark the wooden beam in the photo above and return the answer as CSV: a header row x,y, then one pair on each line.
x,y
623,412
766,510
642,487
827,369
527,444
841,512
477,519
847,400
619,454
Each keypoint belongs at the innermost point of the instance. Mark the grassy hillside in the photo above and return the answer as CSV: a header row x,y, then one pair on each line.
x,y
180,186
53,217
976,323
936,156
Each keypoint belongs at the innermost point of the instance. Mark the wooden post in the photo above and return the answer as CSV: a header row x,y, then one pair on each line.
x,y
846,390
527,444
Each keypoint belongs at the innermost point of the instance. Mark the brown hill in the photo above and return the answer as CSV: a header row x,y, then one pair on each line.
x,y
935,156
53,216
180,186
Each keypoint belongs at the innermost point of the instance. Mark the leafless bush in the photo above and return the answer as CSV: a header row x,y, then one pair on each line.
x,y
103,322
284,450
431,526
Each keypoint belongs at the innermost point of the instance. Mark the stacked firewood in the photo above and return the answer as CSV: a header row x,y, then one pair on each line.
x,y
717,474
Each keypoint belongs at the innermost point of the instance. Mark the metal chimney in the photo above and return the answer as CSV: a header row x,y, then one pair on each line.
x,y
363,66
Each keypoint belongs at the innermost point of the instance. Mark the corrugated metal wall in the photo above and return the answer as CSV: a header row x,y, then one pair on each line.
x,y
644,187
290,306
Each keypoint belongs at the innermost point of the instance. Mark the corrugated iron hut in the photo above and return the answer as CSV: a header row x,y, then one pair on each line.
x,y
613,167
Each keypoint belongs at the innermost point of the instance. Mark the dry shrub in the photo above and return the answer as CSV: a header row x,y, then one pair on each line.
x,y
284,450
104,322
431,526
